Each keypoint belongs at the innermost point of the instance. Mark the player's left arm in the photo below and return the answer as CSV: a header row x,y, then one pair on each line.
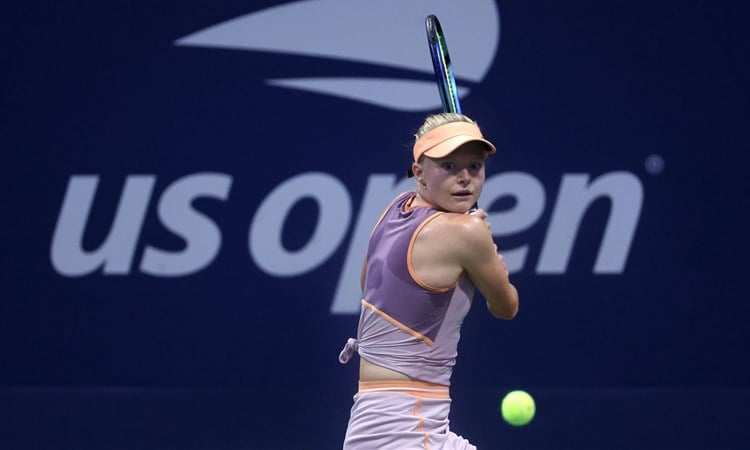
x,y
486,268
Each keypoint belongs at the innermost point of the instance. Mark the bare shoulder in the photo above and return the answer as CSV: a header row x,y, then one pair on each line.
x,y
465,231
463,224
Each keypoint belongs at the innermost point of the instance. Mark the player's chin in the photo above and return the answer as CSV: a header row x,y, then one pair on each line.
x,y
461,204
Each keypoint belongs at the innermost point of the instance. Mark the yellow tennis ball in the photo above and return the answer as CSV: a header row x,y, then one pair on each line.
x,y
518,408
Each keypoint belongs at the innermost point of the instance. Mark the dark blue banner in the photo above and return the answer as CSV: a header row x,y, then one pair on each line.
x,y
189,189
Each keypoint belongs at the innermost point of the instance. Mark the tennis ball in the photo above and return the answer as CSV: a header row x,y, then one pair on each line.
x,y
518,408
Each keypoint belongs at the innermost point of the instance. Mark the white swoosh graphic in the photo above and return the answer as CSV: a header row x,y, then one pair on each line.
x,y
383,32
404,95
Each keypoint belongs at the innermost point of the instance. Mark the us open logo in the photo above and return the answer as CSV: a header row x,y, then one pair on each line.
x,y
373,30
203,237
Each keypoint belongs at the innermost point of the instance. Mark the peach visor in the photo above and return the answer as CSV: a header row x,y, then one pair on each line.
x,y
443,140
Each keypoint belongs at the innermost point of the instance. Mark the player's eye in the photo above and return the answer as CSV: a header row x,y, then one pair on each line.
x,y
447,165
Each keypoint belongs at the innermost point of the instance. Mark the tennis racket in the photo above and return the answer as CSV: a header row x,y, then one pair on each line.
x,y
441,64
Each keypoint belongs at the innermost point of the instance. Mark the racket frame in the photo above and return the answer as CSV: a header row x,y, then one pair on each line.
x,y
441,64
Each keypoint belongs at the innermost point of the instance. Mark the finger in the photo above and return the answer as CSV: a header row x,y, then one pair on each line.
x,y
480,213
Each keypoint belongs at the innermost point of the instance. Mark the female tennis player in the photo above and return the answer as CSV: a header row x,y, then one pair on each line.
x,y
427,253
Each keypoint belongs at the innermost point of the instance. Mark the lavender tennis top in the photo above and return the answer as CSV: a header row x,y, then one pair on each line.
x,y
406,325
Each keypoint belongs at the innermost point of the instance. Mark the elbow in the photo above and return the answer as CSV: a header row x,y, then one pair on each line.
x,y
507,313
506,309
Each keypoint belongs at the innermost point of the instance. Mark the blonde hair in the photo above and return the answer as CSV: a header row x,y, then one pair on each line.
x,y
436,120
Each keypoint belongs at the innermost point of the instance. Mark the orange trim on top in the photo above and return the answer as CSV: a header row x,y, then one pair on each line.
x,y
397,324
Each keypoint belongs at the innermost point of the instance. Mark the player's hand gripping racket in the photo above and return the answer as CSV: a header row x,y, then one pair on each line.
x,y
441,64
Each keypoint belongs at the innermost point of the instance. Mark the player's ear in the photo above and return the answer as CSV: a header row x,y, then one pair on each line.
x,y
416,169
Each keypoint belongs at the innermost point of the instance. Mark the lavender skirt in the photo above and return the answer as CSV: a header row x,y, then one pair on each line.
x,y
402,415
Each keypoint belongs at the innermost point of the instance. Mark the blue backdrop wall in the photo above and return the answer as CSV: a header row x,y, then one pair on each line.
x,y
188,189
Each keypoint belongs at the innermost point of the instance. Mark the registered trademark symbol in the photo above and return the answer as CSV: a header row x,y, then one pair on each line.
x,y
654,164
